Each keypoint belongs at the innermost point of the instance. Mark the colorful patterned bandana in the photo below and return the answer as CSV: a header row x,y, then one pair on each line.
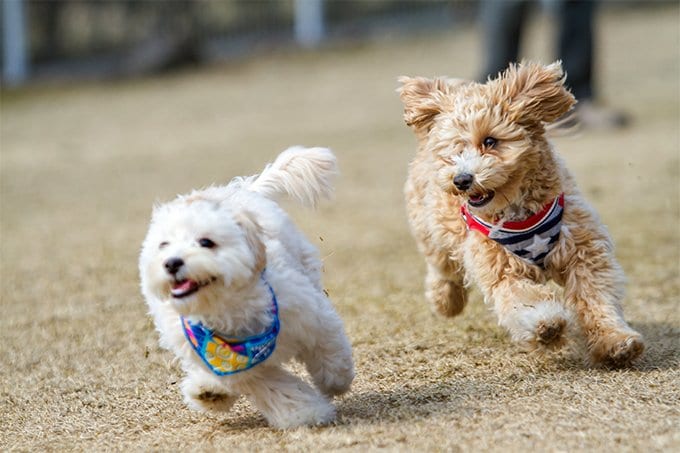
x,y
531,239
224,354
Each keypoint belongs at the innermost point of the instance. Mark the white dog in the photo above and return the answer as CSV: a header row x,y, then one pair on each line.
x,y
235,292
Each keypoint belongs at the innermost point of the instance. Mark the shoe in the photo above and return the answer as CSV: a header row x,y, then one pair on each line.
x,y
592,116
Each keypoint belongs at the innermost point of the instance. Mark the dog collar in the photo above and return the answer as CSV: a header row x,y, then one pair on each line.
x,y
224,354
531,239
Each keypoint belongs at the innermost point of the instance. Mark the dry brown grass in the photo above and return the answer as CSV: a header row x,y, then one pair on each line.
x,y
79,364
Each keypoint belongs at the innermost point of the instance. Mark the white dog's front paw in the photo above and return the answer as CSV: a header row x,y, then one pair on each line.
x,y
318,413
204,396
286,401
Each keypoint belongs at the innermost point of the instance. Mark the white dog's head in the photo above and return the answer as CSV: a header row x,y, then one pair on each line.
x,y
198,251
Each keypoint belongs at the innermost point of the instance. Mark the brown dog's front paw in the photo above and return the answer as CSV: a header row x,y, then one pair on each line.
x,y
618,351
551,333
448,298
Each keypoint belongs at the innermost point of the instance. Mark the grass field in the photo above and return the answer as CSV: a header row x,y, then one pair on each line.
x,y
80,167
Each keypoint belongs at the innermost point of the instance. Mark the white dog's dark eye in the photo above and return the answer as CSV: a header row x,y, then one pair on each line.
x,y
490,142
207,243
163,244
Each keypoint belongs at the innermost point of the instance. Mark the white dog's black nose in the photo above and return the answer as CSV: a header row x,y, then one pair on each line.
x,y
173,265
463,181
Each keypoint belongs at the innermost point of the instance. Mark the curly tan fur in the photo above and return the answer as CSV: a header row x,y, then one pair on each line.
x,y
520,173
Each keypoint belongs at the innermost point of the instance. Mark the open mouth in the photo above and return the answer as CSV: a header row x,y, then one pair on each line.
x,y
187,287
479,200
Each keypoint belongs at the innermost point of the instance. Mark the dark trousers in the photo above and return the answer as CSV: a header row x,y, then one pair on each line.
x,y
503,22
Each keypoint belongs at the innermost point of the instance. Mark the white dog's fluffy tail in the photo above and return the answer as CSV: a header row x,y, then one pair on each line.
x,y
304,174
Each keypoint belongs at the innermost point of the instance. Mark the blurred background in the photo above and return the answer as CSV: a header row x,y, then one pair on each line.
x,y
76,39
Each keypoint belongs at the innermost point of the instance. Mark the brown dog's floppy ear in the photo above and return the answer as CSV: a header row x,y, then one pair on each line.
x,y
423,100
534,92
253,233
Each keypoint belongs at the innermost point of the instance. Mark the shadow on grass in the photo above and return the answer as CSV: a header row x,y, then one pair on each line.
x,y
410,402
662,350
407,403
240,423
413,402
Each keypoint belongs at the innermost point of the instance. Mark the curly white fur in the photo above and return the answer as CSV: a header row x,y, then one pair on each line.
x,y
250,233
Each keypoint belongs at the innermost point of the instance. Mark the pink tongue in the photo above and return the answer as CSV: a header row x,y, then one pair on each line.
x,y
476,198
183,286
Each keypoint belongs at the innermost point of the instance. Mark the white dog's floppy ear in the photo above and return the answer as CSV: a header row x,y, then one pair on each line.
x,y
253,233
424,99
534,92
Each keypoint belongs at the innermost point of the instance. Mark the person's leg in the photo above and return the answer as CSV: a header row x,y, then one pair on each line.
x,y
502,23
576,48
575,45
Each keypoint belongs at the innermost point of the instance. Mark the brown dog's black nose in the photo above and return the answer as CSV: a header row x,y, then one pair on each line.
x,y
173,265
463,181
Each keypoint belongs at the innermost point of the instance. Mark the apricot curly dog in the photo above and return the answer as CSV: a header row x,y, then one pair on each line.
x,y
491,203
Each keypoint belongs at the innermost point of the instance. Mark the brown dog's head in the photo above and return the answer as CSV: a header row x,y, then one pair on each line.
x,y
487,141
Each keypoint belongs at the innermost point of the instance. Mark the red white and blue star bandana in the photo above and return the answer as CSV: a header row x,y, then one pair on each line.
x,y
531,239
224,354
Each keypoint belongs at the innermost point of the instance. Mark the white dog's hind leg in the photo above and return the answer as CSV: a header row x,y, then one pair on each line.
x,y
310,262
205,392
329,360
286,401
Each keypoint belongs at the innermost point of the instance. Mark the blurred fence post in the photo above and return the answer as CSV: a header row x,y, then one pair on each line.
x,y
15,59
309,22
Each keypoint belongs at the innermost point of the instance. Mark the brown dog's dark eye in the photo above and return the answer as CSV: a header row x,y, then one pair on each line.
x,y
490,142
163,244
207,243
